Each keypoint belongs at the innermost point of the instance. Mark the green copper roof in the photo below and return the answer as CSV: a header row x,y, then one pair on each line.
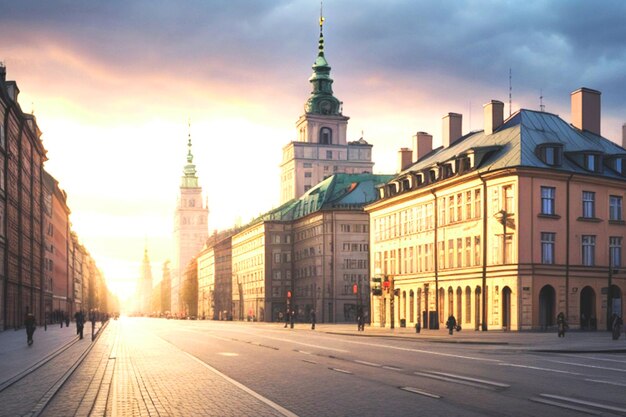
x,y
322,100
189,180
338,192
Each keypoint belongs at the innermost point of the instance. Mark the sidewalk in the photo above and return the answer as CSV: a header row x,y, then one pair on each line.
x,y
573,342
17,356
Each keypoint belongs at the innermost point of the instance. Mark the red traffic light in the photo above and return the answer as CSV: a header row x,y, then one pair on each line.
x,y
355,289
288,294
386,284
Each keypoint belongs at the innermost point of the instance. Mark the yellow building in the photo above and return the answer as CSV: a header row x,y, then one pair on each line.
x,y
503,228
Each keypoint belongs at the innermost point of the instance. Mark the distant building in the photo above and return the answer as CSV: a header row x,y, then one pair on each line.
x,y
144,287
215,277
506,227
190,229
58,285
308,253
321,148
166,288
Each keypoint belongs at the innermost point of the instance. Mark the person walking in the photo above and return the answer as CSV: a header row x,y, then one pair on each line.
x,y
29,323
80,323
360,320
313,319
451,324
287,317
561,324
616,326
292,317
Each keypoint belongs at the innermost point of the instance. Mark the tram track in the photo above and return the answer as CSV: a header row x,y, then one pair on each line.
x,y
43,380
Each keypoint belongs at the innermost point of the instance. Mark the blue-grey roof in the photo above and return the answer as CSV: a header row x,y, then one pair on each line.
x,y
338,192
515,143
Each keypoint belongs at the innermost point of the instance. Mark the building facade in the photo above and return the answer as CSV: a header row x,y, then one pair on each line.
x,y
506,227
190,229
307,254
144,286
21,198
322,148
57,279
215,277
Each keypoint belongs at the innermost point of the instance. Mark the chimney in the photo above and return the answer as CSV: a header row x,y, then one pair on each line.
x,y
452,126
422,144
586,110
12,90
405,158
494,116
3,72
624,136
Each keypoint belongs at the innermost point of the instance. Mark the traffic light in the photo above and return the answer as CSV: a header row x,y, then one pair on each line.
x,y
355,288
288,294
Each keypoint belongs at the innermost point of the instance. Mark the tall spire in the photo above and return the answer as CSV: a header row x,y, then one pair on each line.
x,y
322,100
189,180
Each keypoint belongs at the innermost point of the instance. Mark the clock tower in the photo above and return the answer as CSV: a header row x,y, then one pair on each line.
x,y
321,148
190,229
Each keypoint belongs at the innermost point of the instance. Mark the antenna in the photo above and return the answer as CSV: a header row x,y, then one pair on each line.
x,y
542,107
510,90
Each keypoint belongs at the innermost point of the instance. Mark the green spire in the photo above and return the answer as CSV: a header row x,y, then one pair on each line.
x,y
322,100
189,180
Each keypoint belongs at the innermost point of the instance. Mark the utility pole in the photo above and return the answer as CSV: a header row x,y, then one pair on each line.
x,y
392,300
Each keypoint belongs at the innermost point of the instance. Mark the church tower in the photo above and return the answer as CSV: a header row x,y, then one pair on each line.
x,y
145,285
190,228
321,148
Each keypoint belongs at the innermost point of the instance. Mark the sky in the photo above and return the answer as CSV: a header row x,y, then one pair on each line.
x,y
113,85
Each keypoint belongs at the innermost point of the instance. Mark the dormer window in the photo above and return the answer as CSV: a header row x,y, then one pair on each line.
x,y
591,162
463,164
326,136
550,153
617,163
406,184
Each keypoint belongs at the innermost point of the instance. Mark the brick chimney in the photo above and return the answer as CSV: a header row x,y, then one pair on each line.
x,y
3,72
422,144
586,110
624,136
451,131
405,158
494,116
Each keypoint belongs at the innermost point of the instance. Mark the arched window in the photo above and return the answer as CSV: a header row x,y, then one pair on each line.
x,y
326,136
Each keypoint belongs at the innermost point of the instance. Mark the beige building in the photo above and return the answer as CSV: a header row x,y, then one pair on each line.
x,y
322,148
307,253
215,277
506,227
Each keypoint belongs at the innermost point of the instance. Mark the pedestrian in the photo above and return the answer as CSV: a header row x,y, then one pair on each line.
x,y
67,320
80,323
29,323
451,324
561,324
292,317
360,320
616,326
313,319
287,317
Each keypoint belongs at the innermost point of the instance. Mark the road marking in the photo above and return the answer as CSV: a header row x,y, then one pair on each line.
x,y
583,402
462,381
377,365
566,406
302,351
599,381
242,387
588,366
305,344
309,361
481,381
343,371
420,392
538,368
392,368
594,358
228,353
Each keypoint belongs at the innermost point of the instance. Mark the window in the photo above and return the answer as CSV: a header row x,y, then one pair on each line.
x,y
591,162
551,154
589,204
277,258
477,207
547,247
450,253
451,209
507,198
307,188
588,250
329,154
468,205
459,253
459,207
307,175
468,251
547,200
477,251
326,136
615,207
615,251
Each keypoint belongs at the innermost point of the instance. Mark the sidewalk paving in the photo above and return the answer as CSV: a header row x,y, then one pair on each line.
x,y
548,341
17,356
